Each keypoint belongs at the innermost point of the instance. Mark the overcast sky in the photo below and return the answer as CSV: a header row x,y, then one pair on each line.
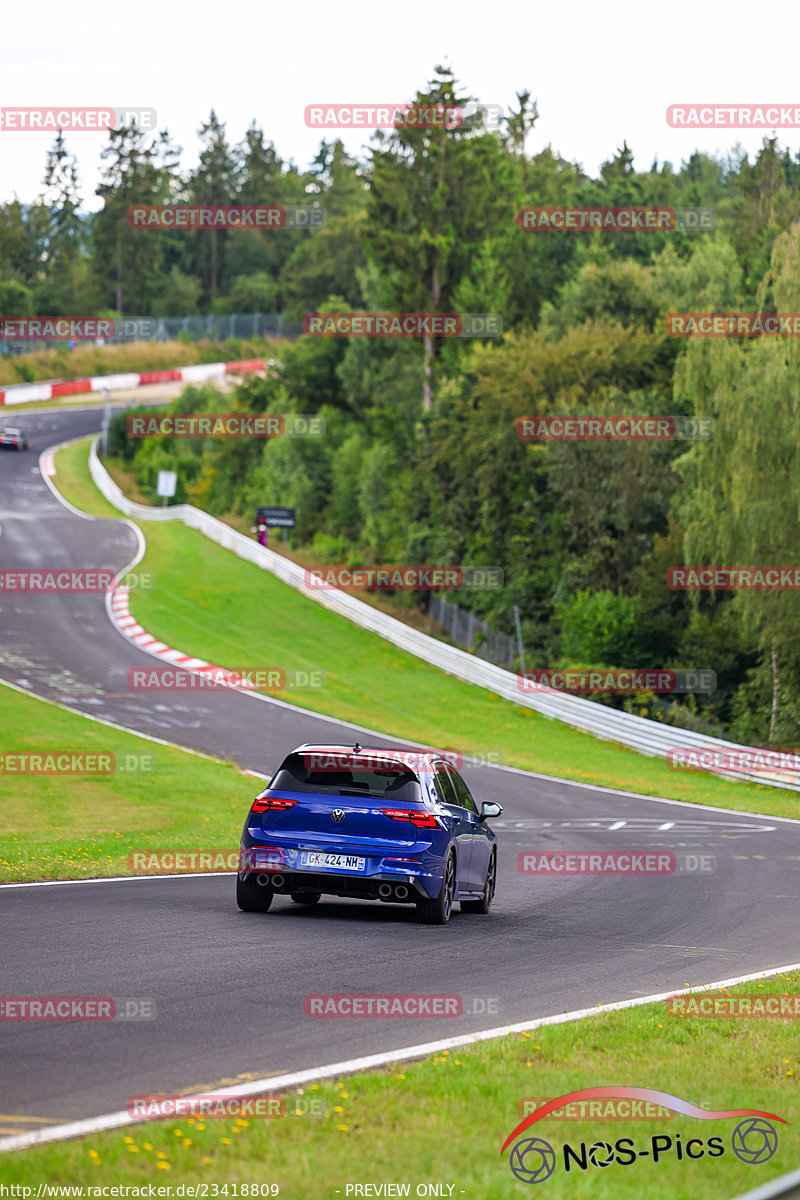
x,y
601,72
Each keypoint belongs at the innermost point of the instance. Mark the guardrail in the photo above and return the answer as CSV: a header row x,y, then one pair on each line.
x,y
787,1186
639,733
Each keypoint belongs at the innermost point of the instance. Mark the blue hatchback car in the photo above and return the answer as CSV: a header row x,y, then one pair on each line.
x,y
372,824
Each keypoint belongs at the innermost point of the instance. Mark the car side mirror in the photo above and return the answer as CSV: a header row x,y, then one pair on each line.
x,y
490,809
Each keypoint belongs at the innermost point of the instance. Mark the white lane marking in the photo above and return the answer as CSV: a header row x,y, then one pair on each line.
x,y
117,878
272,1083
666,825
635,825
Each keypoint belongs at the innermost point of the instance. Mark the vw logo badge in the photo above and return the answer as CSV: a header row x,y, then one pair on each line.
x,y
338,815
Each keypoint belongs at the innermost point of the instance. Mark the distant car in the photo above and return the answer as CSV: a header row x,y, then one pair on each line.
x,y
371,824
14,439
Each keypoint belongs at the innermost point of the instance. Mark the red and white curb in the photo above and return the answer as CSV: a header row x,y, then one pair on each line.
x,y
128,626
49,463
24,393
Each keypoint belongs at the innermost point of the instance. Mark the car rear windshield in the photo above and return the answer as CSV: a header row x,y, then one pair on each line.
x,y
338,775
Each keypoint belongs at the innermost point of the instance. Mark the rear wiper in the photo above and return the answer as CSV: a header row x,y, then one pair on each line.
x,y
368,795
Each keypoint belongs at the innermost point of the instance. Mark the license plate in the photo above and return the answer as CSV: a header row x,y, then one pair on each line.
x,y
336,862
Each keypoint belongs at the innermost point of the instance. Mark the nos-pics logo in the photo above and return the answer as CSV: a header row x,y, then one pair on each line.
x,y
754,1139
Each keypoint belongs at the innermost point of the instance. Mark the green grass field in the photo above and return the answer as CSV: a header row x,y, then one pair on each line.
x,y
443,1119
369,681
102,818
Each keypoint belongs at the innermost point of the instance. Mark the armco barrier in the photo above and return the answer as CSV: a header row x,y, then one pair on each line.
x,y
649,737
23,393
787,1187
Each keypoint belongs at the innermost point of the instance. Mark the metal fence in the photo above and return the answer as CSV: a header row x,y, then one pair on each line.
x,y
464,628
219,326
215,327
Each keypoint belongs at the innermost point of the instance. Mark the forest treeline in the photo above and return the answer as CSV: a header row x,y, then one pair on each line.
x,y
421,461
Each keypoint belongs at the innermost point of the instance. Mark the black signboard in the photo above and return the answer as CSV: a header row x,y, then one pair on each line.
x,y
281,518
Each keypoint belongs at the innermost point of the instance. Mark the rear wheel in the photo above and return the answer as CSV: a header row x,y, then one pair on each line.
x,y
437,912
485,903
306,897
252,896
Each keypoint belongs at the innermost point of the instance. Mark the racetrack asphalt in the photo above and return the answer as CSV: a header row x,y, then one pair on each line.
x,y
229,987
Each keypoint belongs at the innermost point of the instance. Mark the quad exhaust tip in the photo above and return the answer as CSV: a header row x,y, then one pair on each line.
x,y
389,891
278,882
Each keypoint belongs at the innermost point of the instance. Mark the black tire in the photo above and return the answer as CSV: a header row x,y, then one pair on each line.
x,y
306,897
252,896
437,912
485,903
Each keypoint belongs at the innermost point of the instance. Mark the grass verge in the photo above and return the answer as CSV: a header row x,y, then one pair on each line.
x,y
101,818
443,1119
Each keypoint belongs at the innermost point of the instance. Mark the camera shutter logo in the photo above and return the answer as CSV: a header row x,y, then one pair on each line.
x,y
541,1160
754,1141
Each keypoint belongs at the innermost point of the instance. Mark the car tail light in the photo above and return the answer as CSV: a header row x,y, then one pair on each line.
x,y
416,816
264,803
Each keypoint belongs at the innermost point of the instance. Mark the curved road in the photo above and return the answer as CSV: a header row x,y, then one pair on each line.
x,y
228,986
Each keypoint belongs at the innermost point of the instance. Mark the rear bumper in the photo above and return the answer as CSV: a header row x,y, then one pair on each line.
x,y
379,881
394,888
